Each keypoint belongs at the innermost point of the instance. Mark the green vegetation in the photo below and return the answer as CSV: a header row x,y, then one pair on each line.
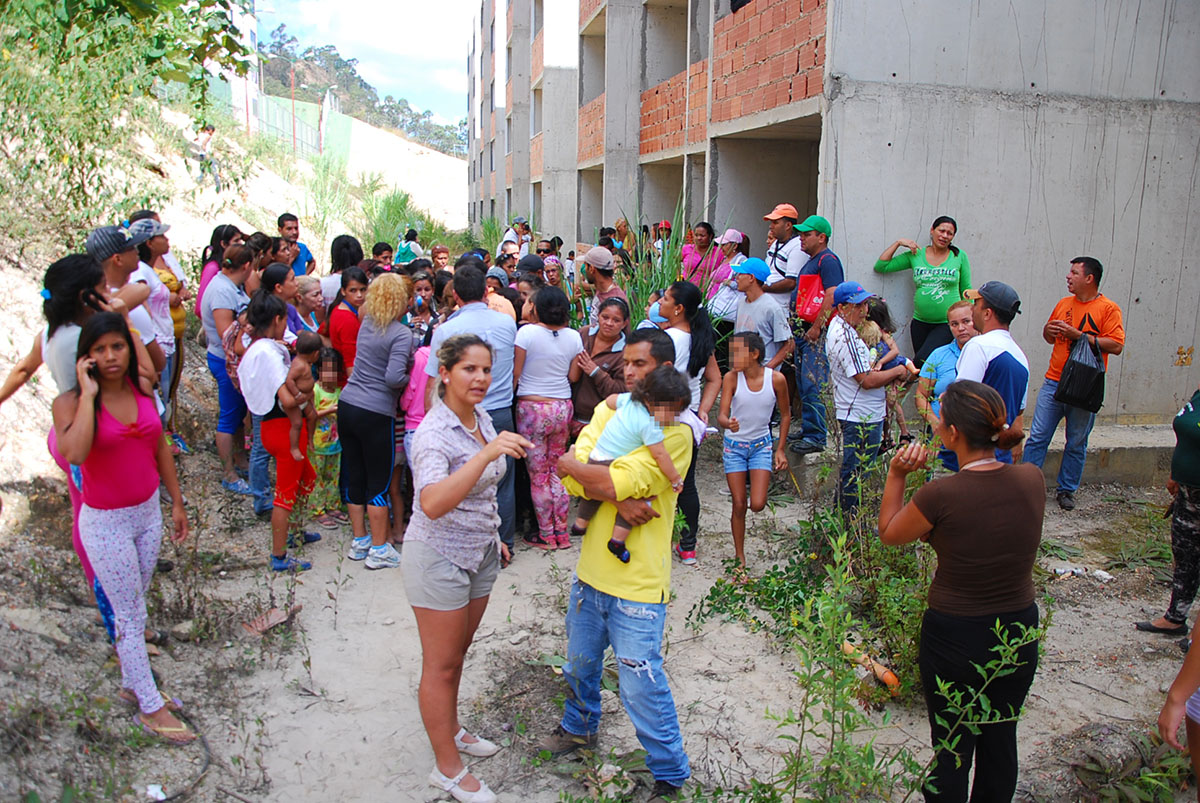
x,y
70,76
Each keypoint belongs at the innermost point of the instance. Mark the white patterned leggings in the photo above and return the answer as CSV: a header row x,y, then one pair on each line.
x,y
122,545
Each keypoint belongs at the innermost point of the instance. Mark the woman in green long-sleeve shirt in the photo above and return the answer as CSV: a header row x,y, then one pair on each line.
x,y
941,273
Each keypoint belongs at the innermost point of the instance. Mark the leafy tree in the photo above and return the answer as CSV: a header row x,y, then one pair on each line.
x,y
71,76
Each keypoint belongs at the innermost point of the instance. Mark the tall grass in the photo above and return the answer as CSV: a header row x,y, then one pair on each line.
x,y
327,203
387,215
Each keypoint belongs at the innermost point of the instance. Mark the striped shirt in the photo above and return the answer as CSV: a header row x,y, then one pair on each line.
x,y
849,357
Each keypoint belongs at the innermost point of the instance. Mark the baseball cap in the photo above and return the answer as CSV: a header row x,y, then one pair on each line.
x,y
149,226
999,296
815,223
519,219
730,236
664,224
108,241
781,211
497,273
531,263
755,267
654,315
849,293
599,258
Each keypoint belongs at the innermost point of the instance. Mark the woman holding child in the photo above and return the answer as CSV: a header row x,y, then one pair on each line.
x,y
263,373
366,418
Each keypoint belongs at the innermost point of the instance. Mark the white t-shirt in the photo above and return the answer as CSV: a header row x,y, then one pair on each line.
x,y
548,356
329,287
996,352
58,352
158,305
261,372
140,318
683,353
848,357
176,268
785,260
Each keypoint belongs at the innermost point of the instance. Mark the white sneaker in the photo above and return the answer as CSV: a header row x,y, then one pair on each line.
x,y
481,748
482,795
358,548
383,557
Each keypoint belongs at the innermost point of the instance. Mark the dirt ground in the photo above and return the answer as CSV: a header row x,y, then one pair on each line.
x,y
325,707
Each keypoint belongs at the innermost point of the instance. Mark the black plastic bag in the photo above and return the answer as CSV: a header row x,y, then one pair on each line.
x,y
1082,381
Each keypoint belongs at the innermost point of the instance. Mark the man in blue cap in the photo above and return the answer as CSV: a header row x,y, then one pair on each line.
x,y
859,396
758,312
812,368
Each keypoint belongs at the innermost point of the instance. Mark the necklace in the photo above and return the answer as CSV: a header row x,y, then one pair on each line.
x,y
474,429
981,462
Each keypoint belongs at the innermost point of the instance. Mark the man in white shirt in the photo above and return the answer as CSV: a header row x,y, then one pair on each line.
x,y
785,257
994,358
858,392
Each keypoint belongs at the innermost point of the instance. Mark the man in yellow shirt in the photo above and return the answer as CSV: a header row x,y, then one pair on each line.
x,y
625,604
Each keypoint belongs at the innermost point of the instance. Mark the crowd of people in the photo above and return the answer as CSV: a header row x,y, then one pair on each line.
x,y
442,408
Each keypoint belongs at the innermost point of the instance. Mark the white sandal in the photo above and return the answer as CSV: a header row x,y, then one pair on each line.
x,y
481,795
480,749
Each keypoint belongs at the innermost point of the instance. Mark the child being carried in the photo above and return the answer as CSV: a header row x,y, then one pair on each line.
x,y
299,384
656,402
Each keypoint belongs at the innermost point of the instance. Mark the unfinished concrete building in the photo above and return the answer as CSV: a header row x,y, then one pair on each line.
x,y
1047,130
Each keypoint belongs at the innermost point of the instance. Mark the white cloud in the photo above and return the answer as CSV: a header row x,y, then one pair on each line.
x,y
407,49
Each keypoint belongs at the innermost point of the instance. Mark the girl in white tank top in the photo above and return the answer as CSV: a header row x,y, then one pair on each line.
x,y
750,394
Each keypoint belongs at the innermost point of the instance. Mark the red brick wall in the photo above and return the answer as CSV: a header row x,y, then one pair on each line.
x,y
665,106
591,129
767,55
509,24
536,58
662,115
508,178
586,9
698,101
508,96
535,156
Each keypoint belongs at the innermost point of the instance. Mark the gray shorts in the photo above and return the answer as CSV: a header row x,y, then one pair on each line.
x,y
431,581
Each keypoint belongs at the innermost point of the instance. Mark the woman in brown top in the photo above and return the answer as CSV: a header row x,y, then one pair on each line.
x,y
599,370
985,524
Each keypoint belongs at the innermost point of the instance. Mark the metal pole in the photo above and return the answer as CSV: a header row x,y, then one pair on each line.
x,y
293,106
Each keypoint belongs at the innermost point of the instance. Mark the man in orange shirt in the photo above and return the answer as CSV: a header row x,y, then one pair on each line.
x,y
1085,312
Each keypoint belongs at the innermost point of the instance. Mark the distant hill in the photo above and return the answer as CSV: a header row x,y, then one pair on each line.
x,y
319,68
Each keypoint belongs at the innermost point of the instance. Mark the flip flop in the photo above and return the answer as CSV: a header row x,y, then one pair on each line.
x,y
177,736
159,638
173,704
1150,627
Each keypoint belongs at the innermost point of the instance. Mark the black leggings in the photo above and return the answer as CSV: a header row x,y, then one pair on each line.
x,y
926,337
368,455
950,647
689,503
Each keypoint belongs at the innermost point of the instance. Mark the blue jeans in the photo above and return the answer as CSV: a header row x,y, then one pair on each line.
x,y
635,630
506,495
812,373
260,470
1046,416
860,445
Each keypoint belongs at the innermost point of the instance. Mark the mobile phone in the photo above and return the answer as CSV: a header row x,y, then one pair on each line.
x,y
94,371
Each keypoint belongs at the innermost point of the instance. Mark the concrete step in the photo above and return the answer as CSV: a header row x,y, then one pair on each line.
x,y
1127,455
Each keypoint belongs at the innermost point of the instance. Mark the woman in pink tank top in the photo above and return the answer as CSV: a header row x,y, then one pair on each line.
x,y
110,429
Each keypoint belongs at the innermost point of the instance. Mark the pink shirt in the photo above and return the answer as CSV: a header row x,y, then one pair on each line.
x,y
704,270
121,470
210,270
413,400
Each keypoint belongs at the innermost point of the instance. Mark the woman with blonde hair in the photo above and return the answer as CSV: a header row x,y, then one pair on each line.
x,y
366,418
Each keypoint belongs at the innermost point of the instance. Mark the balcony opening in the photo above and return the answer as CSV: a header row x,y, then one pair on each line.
x,y
591,68
700,30
666,48
535,115
591,204
538,16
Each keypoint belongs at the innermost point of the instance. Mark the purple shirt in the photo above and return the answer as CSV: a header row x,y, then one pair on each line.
x,y
441,446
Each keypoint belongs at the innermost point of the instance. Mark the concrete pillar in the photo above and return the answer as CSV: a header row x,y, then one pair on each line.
x,y
622,113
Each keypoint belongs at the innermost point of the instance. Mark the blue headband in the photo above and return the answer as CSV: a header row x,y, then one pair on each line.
x,y
45,294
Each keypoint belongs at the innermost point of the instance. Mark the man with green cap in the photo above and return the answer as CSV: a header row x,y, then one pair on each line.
x,y
812,368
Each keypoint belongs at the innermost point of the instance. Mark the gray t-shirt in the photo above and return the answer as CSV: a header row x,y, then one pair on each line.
x,y
380,367
58,352
767,318
221,293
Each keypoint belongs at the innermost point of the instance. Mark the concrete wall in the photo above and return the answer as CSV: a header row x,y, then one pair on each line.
x,y
662,185
622,115
1048,131
748,177
559,149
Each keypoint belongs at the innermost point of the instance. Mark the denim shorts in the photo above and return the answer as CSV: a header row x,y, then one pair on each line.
x,y
748,455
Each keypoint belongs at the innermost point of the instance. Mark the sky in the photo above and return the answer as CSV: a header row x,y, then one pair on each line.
x,y
412,49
